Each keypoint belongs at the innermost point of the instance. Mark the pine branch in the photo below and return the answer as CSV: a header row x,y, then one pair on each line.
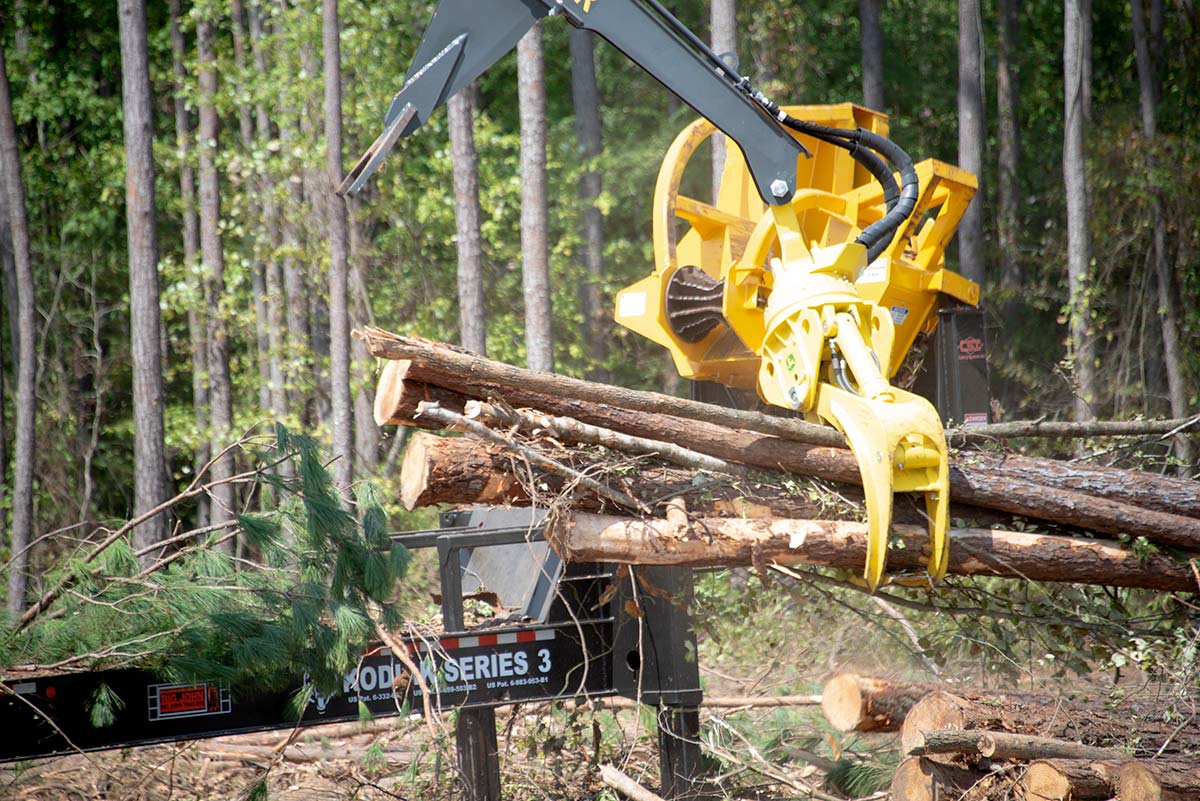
x,y
1068,429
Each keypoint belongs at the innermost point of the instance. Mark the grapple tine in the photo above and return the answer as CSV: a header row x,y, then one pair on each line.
x,y
859,419
899,447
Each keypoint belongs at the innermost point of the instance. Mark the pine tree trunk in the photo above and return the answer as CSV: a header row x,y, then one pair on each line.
x,y
362,366
1164,275
585,95
724,41
971,135
535,248
298,351
335,207
191,249
1008,187
220,385
258,278
26,356
472,318
1079,249
8,268
273,271
871,36
150,487
4,255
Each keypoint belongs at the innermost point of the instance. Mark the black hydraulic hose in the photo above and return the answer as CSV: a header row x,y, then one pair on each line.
x,y
847,140
862,145
900,203
879,235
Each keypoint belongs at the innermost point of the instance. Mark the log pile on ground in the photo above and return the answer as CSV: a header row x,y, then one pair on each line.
x,y
757,488
970,743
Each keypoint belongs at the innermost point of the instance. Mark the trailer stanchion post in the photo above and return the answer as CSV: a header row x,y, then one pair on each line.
x,y
655,662
475,732
679,757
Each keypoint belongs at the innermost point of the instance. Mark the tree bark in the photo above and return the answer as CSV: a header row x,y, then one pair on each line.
x,y
713,433
1076,47
362,366
1008,187
723,24
313,206
472,318
26,356
1164,275
918,779
448,367
335,209
273,280
730,542
150,488
258,278
465,471
1083,722
1134,487
535,246
1177,777
972,135
871,37
220,384
196,321
585,96
973,744
1079,780
851,702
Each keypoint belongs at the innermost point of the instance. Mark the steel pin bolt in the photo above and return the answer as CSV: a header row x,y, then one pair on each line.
x,y
779,188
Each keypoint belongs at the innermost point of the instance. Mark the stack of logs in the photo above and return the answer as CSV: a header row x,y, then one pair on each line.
x,y
979,744
752,489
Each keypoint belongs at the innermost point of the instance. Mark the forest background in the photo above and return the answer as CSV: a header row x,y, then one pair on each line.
x,y
1092,309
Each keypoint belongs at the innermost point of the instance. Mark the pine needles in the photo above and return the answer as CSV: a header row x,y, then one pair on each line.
x,y
322,574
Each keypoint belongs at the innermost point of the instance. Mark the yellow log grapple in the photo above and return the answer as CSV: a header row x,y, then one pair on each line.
x,y
809,277
781,298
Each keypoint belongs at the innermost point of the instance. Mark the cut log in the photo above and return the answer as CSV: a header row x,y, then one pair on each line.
x,y
918,779
445,469
397,397
1082,722
1149,490
451,368
706,428
851,702
974,744
475,377
717,542
1029,747
1071,780
1179,778
464,471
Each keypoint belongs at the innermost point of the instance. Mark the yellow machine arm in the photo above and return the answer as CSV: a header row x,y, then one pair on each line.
x,y
782,298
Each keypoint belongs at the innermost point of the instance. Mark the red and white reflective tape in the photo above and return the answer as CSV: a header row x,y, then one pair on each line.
x,y
478,641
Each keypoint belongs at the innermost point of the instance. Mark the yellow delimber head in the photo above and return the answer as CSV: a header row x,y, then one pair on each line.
x,y
782,299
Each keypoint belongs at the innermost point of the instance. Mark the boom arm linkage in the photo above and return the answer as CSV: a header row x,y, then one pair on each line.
x,y
822,345
466,37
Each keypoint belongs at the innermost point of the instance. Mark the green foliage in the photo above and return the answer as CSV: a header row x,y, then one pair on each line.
x,y
857,779
308,609
103,706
